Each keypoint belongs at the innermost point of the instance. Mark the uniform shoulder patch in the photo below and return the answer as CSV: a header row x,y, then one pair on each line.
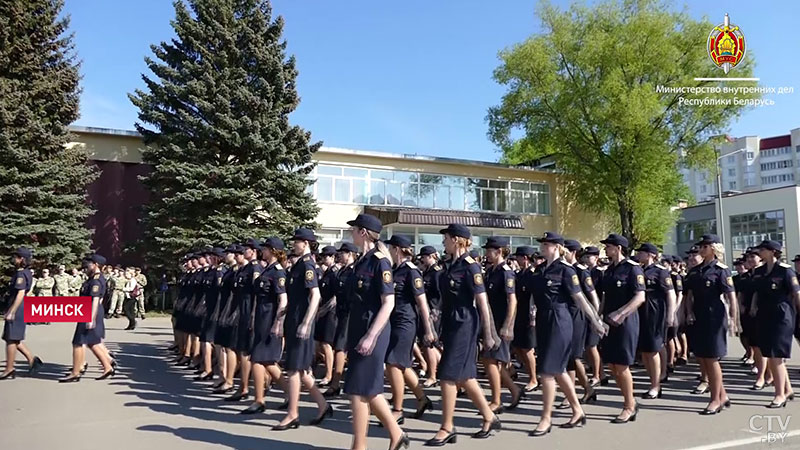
x,y
437,268
386,276
506,267
469,260
411,264
278,266
785,266
631,262
721,265
380,255
582,266
307,258
660,266
564,261
281,281
309,275
575,280
418,283
477,279
510,282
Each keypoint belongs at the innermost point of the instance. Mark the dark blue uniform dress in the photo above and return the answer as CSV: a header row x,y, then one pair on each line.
x,y
268,287
592,337
210,296
677,284
653,312
745,288
95,286
15,330
430,280
524,331
372,278
195,319
553,286
776,309
181,302
500,282
460,321
620,283
243,292
407,286
223,335
325,330
302,278
342,308
579,322
709,333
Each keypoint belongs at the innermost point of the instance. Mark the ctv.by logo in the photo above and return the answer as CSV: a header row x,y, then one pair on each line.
x,y
776,427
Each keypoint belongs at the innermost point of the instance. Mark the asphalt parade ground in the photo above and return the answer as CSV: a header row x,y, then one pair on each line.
x,y
150,404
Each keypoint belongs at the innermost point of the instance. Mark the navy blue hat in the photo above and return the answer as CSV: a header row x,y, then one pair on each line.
x,y
770,245
615,239
304,234
796,258
328,250
474,253
572,245
537,255
218,251
427,250
233,248
456,230
253,243
591,250
95,258
648,247
24,252
348,247
399,241
693,251
676,259
525,250
367,222
273,243
738,262
496,242
708,239
552,237
667,259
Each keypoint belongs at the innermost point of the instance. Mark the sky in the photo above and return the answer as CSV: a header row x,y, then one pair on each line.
x,y
410,77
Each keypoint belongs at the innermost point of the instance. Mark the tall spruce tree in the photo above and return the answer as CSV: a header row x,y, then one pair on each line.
x,y
226,162
42,181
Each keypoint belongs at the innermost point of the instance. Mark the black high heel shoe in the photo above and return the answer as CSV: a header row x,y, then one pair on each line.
x,y
70,379
293,425
328,413
108,374
650,396
403,443
222,390
711,412
37,364
9,375
206,377
255,408
591,398
774,405
237,397
514,403
631,418
576,424
494,425
537,433
426,405
400,420
85,368
451,438
332,393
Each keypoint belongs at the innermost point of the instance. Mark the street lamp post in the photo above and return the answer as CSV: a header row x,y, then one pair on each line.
x,y
721,221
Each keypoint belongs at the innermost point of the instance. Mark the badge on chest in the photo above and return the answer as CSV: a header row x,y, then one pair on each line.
x,y
619,283
708,283
360,284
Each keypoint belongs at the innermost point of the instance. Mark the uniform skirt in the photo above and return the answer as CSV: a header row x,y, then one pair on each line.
x,y
777,325
524,333
325,329
709,338
266,346
299,352
364,376
436,324
243,335
401,339
15,330
459,339
578,333
90,336
554,339
209,326
652,327
592,338
340,336
619,345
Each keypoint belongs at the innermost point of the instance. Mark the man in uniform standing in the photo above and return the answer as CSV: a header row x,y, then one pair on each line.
x,y
44,285
62,280
142,280
75,282
116,283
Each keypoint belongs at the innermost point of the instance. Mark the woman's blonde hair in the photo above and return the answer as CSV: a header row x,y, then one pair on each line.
x,y
376,238
463,242
561,250
719,251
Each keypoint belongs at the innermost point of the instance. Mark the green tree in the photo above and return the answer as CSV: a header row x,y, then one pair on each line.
x,y
42,180
226,162
585,92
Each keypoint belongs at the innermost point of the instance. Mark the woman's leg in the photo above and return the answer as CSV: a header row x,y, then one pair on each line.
x,y
327,352
101,356
778,370
338,369
492,367
432,356
293,396
475,394
230,367
244,372
652,362
380,407
259,381
308,382
449,393
548,397
528,359
568,388
11,354
360,407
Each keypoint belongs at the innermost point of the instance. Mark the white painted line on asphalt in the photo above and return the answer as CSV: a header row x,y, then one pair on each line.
x,y
740,442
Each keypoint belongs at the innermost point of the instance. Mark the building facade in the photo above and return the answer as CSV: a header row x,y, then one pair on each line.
x,y
413,195
750,164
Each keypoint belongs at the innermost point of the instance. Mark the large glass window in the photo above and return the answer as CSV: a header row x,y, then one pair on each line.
x,y
748,230
691,232
363,186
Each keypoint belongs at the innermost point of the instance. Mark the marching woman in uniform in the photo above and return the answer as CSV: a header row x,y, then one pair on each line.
x,y
409,296
673,344
590,255
502,295
14,326
623,294
347,256
210,297
371,293
303,297
325,329
224,334
750,325
429,262
185,319
90,334
554,285
268,313
466,312
707,311
655,315
524,340
775,304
